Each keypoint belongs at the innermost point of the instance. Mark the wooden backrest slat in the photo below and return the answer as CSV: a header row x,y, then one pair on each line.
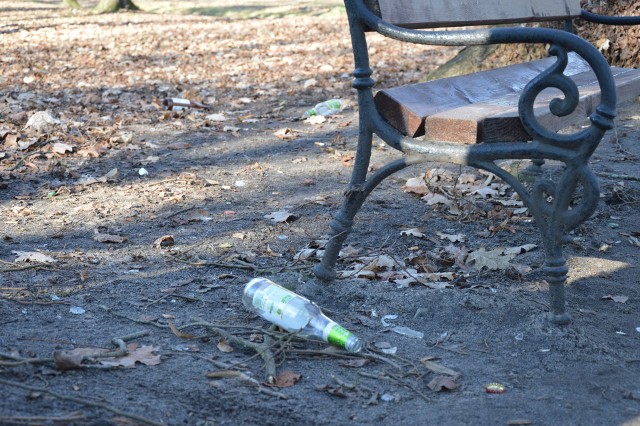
x,y
444,13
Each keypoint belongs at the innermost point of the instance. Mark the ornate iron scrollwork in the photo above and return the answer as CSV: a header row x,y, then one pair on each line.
x,y
554,77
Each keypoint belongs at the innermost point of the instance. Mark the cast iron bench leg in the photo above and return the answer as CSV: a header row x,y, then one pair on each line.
x,y
354,198
555,269
556,212
359,189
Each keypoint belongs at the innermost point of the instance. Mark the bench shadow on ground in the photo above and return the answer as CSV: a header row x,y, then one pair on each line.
x,y
163,219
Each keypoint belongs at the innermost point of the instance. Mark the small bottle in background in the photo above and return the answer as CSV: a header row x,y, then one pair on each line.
x,y
332,106
177,104
295,314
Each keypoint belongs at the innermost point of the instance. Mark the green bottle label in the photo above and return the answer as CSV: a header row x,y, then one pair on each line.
x,y
338,335
272,301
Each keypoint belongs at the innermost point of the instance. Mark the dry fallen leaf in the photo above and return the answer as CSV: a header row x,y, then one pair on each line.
x,y
216,117
286,379
520,249
72,359
164,241
42,122
433,199
416,186
355,363
286,134
33,256
443,383
492,260
112,175
617,299
107,238
281,216
413,232
178,145
180,334
438,368
454,238
223,346
61,148
198,215
231,129
143,355
11,141
486,192
90,151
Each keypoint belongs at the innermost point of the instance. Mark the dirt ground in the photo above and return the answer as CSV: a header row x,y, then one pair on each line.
x,y
124,223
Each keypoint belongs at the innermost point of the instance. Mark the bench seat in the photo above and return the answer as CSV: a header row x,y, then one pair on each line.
x,y
483,107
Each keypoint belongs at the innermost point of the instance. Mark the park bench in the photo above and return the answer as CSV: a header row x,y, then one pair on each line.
x,y
514,112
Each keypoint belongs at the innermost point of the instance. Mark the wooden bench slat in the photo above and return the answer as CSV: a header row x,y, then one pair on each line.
x,y
406,107
498,119
483,107
432,14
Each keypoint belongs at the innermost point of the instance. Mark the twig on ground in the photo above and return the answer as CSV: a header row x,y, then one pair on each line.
x,y
16,360
321,353
617,176
137,321
238,264
264,349
118,342
232,265
82,401
246,378
76,416
454,350
179,296
179,212
220,364
24,157
383,376
38,266
153,302
347,355
39,302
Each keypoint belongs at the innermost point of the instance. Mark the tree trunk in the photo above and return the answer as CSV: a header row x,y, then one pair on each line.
x,y
72,3
108,6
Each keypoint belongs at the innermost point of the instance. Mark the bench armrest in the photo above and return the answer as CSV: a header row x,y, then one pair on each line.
x,y
561,42
609,20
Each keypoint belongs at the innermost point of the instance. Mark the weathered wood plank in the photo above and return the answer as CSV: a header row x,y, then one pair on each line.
x,y
483,107
425,14
497,120
406,107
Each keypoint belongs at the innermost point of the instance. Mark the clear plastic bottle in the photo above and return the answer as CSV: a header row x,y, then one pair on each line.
x,y
177,104
332,106
295,313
